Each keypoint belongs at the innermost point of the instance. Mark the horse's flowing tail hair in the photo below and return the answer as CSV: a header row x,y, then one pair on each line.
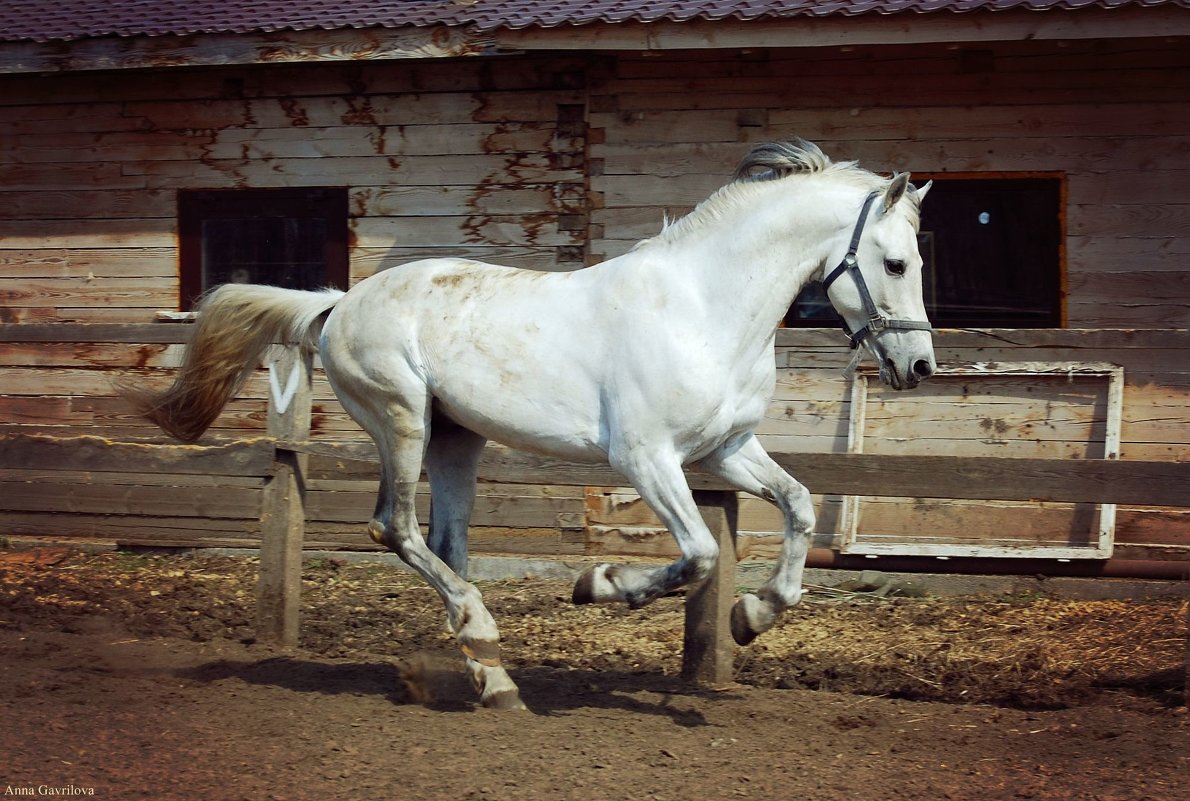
x,y
235,326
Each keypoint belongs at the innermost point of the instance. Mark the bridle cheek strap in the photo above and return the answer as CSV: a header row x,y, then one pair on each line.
x,y
876,322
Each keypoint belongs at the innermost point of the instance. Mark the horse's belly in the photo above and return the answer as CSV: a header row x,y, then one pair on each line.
x,y
548,423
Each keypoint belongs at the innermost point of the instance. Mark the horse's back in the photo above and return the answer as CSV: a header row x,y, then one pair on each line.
x,y
506,352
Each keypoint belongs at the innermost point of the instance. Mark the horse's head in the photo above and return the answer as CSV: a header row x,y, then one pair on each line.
x,y
877,285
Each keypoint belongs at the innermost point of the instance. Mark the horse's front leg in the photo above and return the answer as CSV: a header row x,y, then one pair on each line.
x,y
658,478
746,466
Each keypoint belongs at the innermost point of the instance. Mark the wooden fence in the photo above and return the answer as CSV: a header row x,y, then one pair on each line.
x,y
57,380
280,459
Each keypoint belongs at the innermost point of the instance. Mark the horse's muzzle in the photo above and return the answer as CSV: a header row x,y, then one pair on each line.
x,y
917,370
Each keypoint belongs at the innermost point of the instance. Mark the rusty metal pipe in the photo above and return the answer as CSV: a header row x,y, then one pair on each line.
x,y
1100,568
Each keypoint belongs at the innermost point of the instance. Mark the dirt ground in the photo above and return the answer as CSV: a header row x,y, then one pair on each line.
x,y
138,677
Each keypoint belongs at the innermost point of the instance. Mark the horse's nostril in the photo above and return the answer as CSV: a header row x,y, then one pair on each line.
x,y
922,368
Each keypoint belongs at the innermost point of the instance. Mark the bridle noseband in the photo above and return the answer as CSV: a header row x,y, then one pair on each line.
x,y
877,322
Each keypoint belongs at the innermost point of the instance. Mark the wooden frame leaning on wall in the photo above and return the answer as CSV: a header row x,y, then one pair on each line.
x,y
850,540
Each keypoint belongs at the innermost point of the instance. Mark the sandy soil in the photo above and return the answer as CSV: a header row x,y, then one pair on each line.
x,y
134,677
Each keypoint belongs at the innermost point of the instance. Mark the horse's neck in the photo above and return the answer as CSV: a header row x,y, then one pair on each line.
x,y
750,266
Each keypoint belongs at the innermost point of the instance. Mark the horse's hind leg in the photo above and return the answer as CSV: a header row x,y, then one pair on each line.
x,y
452,459
400,434
749,468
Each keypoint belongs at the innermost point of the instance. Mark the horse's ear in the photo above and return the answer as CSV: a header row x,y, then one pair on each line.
x,y
922,190
896,190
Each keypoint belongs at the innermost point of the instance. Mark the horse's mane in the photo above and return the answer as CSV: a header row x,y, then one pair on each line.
x,y
779,159
764,164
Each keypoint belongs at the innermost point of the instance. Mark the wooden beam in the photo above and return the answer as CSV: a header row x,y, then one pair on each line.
x,y
133,52
1144,483
251,457
708,652
993,478
440,41
138,333
283,509
862,29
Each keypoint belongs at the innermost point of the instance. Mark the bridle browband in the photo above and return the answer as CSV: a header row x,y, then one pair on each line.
x,y
877,322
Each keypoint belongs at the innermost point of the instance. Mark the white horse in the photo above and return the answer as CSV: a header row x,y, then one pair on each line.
x,y
658,359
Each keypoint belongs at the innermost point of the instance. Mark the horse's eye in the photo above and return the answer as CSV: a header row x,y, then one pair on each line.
x,y
894,267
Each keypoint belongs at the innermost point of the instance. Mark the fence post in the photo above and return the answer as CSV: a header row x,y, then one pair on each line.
x,y
708,649
283,512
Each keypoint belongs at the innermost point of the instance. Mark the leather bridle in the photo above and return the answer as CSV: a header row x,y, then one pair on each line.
x,y
876,321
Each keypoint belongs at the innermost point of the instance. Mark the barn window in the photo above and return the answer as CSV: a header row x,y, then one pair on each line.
x,y
993,255
294,238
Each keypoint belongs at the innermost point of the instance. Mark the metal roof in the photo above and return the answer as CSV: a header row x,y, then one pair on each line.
x,y
60,20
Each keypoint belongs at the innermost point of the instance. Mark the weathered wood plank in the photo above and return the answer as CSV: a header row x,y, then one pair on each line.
x,y
825,32
359,79
870,122
283,505
1022,56
187,501
304,142
106,53
1077,153
537,228
476,170
958,519
129,478
100,233
511,511
195,531
37,177
990,478
424,108
88,354
91,204
84,262
145,333
707,648
1173,313
128,293
41,452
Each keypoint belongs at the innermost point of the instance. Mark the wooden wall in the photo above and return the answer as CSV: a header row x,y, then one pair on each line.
x,y
1113,117
440,157
551,163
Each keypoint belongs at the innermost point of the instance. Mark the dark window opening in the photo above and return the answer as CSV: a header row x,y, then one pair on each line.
x,y
293,238
992,249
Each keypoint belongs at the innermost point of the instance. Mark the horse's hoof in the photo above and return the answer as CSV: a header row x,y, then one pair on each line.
x,y
742,630
591,586
507,700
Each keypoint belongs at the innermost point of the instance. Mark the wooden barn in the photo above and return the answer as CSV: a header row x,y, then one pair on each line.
x,y
146,156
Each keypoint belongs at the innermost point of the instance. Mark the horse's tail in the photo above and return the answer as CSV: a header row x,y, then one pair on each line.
x,y
235,326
